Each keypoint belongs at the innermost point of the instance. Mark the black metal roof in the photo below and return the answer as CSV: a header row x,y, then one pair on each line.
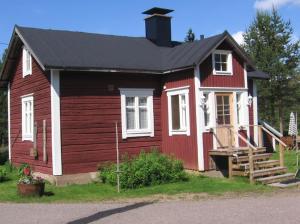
x,y
156,10
68,50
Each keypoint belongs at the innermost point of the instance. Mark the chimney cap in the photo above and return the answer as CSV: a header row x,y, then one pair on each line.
x,y
156,10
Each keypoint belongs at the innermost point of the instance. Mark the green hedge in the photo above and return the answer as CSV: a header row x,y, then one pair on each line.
x,y
144,170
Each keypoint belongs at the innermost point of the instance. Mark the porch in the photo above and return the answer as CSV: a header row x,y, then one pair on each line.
x,y
251,160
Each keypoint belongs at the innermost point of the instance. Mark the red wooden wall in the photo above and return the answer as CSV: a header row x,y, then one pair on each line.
x,y
88,113
181,146
209,80
207,146
39,84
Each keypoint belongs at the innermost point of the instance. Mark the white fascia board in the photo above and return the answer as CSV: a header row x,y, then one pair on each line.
x,y
55,123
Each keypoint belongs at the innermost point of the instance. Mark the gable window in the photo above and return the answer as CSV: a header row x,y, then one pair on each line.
x,y
27,118
222,62
178,111
137,112
27,62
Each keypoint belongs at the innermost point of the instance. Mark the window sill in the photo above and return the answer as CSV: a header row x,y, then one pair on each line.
x,y
26,138
222,73
138,134
179,132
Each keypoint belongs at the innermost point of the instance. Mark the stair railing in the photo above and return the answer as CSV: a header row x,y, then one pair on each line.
x,y
251,148
282,145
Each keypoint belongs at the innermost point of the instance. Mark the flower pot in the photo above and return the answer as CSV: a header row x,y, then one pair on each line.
x,y
27,190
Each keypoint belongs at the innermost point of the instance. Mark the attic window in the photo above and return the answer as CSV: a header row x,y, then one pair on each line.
x,y
27,62
222,62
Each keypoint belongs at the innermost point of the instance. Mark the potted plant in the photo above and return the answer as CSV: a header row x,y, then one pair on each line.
x,y
29,185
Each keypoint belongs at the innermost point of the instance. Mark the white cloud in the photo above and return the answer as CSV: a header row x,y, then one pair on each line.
x,y
268,4
238,36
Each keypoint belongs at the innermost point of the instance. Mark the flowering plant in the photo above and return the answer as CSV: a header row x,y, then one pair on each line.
x,y
26,177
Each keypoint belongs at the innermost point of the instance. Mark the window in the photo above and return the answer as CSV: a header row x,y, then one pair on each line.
x,y
206,109
223,110
222,62
27,118
27,65
137,112
178,111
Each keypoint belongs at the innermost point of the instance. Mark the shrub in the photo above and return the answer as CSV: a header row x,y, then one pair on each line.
x,y
144,170
3,174
3,155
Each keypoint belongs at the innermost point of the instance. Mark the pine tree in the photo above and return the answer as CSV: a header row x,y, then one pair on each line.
x,y
190,36
269,41
3,110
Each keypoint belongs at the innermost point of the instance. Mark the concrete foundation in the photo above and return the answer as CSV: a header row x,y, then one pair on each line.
x,y
80,178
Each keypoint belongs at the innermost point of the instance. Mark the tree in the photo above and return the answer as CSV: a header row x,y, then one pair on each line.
x,y
3,110
190,36
269,41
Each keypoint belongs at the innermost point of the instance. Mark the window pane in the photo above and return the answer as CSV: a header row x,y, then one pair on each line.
x,y
226,100
129,101
224,67
175,112
227,119
143,118
142,101
217,58
217,66
130,118
224,57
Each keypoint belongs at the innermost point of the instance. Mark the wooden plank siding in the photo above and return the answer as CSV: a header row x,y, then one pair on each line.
x,y
90,104
235,80
39,84
181,146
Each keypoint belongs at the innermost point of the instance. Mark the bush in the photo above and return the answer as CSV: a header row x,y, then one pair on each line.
x,y
3,174
3,155
144,170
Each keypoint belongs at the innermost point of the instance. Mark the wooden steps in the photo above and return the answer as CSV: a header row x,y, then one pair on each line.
x,y
276,179
269,171
257,165
262,156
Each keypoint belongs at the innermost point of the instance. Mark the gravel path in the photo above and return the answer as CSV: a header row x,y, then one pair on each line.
x,y
281,208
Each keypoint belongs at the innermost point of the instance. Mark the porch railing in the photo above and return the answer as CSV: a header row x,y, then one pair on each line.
x,y
232,133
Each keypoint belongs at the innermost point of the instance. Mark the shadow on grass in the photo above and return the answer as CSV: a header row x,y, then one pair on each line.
x,y
103,214
48,194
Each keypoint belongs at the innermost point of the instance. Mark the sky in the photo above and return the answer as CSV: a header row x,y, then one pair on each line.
x,y
124,17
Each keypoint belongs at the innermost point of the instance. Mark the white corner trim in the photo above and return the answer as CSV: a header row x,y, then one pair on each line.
x,y
245,76
8,122
199,120
55,123
133,92
255,112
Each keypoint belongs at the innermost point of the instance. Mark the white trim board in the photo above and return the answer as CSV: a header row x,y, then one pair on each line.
x,y
199,119
55,123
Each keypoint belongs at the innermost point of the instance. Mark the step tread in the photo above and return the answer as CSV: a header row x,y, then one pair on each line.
x,y
277,178
258,164
255,157
270,169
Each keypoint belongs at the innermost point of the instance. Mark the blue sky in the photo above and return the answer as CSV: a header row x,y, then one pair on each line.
x,y
123,17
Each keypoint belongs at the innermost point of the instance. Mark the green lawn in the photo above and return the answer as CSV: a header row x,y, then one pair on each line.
x,y
99,191
290,160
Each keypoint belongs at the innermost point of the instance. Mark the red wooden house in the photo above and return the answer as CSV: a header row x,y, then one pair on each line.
x,y
67,89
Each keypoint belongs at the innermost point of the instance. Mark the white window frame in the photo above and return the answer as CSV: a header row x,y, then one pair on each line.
x,y
27,58
27,136
210,107
173,92
130,92
229,62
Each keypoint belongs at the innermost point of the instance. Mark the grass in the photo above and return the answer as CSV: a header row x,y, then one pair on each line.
x,y
98,192
290,160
